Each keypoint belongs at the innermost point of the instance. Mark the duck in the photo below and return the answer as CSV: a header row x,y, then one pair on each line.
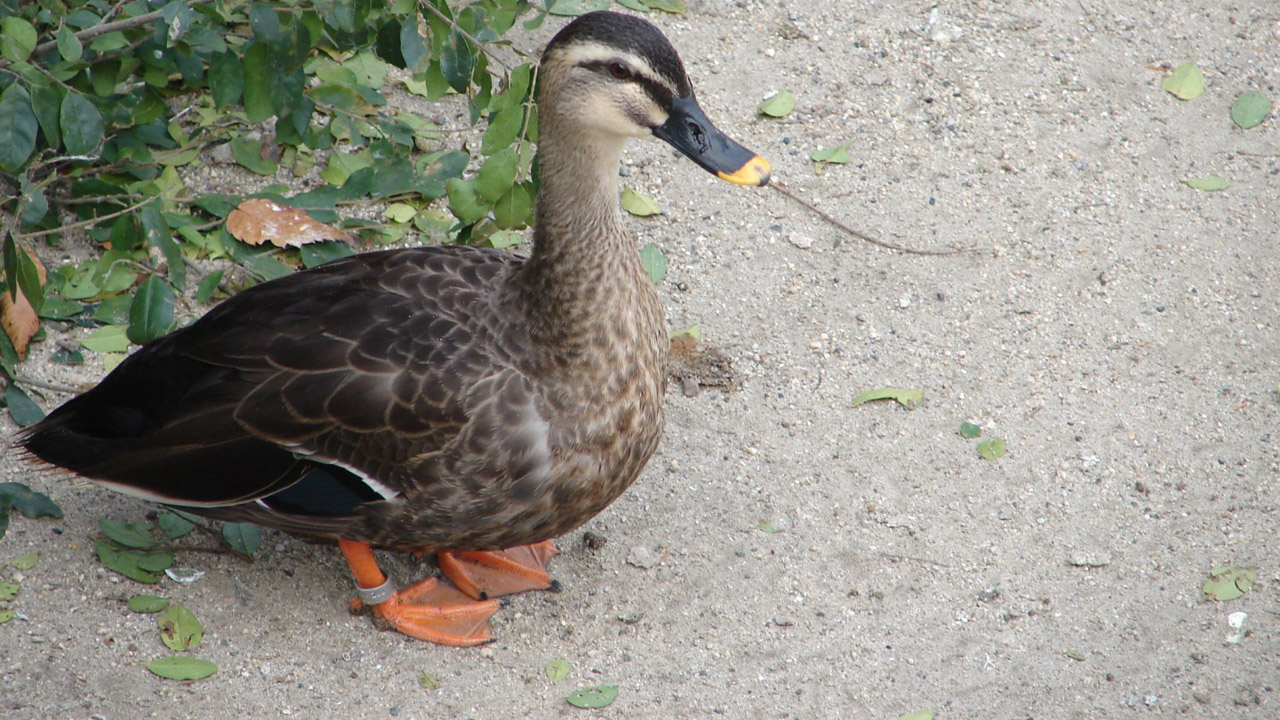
x,y
455,400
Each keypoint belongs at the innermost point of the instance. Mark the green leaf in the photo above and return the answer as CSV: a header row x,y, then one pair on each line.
x,y
829,156
56,308
208,286
593,697
463,201
175,523
457,62
17,127
17,39
1185,82
151,313
81,125
69,46
693,331
907,398
179,629
1250,109
1228,583
515,209
249,154
1209,183
766,526
244,538
226,79
46,101
991,449
573,8
917,715
125,562
24,411
9,590
639,205
258,71
29,280
107,339
503,129
497,175
779,104
30,503
655,263
969,431
427,681
26,561
133,535
176,667
148,603
558,670
675,7
5,615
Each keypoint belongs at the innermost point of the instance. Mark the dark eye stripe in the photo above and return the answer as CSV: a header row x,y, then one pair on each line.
x,y
656,91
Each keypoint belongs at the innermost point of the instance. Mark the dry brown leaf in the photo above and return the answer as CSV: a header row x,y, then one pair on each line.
x,y
257,221
18,317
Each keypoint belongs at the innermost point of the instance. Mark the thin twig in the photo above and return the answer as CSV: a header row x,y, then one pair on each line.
x,y
104,28
90,222
46,385
782,188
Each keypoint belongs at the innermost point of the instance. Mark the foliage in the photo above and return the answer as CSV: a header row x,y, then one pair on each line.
x,y
106,107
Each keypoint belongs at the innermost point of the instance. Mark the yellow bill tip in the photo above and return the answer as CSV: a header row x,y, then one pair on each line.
x,y
754,172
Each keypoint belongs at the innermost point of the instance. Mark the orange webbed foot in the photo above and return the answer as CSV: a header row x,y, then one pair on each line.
x,y
489,574
428,610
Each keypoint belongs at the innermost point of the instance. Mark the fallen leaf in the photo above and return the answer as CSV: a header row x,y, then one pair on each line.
x,y
133,535
639,205
829,156
991,449
969,431
908,399
779,104
148,603
766,526
9,590
244,538
1250,109
593,697
1186,82
258,220
654,262
1228,583
427,681
179,628
558,670
917,715
5,616
1208,183
27,501
17,316
175,667
26,561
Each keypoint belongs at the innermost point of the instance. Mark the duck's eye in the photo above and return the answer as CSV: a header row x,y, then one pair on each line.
x,y
620,71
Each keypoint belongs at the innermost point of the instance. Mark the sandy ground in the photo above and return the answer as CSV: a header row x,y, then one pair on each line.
x,y
1117,328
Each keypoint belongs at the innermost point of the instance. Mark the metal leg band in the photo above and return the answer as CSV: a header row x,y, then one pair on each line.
x,y
376,595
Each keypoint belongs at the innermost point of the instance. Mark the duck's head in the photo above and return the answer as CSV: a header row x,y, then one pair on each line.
x,y
618,76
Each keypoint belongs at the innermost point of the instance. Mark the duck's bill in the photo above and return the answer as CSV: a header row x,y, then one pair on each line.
x,y
689,130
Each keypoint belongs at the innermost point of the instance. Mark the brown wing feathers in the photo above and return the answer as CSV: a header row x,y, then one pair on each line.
x,y
341,363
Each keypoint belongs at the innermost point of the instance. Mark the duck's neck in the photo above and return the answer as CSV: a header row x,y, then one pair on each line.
x,y
584,265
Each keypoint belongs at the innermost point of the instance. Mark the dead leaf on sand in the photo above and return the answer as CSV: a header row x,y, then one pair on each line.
x,y
257,221
17,316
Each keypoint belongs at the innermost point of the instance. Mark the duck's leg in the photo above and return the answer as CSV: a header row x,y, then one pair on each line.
x,y
489,574
428,610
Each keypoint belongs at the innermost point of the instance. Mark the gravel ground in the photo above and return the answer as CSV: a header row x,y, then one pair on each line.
x,y
1117,328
